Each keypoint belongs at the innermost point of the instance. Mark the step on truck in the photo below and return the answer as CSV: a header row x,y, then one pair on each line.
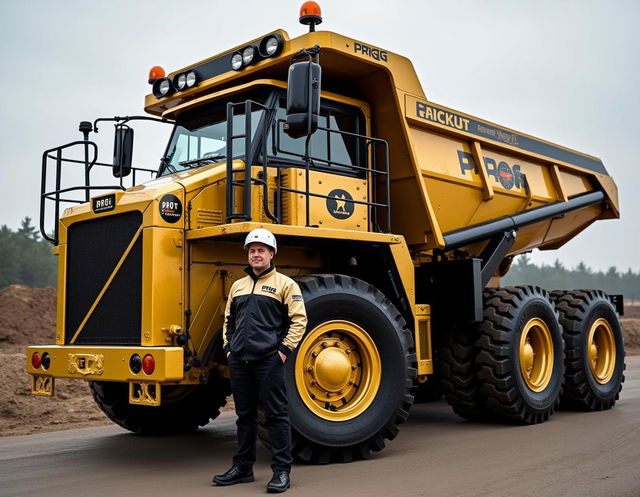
x,y
397,217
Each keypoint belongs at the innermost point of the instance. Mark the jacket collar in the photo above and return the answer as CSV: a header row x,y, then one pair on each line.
x,y
255,277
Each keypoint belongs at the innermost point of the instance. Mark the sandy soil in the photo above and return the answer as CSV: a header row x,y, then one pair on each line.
x,y
27,317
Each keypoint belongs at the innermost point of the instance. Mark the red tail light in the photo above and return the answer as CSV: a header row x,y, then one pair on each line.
x,y
36,360
148,364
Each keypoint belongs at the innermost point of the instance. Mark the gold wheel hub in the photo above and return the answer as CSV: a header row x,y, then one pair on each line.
x,y
338,370
601,349
536,354
333,369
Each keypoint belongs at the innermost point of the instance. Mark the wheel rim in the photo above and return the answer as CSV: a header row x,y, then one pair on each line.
x,y
601,348
338,370
536,354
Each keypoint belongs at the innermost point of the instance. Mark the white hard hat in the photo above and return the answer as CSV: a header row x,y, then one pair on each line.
x,y
261,235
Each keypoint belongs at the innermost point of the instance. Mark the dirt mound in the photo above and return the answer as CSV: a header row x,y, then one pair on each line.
x,y
22,413
631,329
27,316
632,311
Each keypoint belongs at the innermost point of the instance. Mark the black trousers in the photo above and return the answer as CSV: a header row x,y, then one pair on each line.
x,y
261,381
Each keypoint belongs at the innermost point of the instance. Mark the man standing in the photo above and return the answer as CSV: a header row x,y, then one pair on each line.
x,y
264,321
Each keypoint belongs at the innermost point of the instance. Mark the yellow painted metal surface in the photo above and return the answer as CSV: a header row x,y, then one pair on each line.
x,y
337,213
423,340
162,284
107,363
62,293
235,229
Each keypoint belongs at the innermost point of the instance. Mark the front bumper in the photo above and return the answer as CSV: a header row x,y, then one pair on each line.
x,y
107,363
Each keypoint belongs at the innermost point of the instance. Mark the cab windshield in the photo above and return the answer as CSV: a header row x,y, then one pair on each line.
x,y
200,136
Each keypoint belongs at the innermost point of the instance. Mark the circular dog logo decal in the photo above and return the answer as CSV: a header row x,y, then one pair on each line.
x,y
505,175
170,208
339,204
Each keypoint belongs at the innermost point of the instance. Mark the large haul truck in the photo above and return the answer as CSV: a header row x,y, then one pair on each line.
x,y
397,217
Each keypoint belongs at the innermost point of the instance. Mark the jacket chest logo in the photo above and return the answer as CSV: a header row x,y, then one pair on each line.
x,y
269,289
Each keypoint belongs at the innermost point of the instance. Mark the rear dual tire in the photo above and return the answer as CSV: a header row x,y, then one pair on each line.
x,y
520,355
594,356
509,367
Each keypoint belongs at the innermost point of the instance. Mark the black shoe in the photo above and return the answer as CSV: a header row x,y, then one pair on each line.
x,y
233,476
279,482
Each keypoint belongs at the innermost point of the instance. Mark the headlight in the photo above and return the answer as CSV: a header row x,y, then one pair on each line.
x,y
236,61
180,81
192,79
162,87
185,80
247,55
271,45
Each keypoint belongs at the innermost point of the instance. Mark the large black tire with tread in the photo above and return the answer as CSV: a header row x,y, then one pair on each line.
x,y
457,371
580,311
333,299
512,316
183,409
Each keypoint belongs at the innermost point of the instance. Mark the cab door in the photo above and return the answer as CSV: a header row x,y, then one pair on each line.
x,y
338,192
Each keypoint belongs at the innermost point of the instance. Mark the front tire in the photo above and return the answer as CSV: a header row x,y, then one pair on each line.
x,y
349,381
184,408
594,356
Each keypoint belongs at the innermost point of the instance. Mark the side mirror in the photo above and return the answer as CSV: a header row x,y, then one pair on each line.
x,y
122,151
303,99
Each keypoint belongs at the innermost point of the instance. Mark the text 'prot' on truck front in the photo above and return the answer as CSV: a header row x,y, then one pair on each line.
x,y
395,215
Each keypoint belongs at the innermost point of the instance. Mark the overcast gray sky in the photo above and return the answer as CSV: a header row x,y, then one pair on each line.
x,y
565,71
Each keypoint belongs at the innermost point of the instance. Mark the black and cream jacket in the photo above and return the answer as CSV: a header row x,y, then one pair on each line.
x,y
264,313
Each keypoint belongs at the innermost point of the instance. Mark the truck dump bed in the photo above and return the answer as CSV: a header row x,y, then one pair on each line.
x,y
518,173
437,187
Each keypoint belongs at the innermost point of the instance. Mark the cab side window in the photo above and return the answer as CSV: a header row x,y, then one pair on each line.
x,y
329,150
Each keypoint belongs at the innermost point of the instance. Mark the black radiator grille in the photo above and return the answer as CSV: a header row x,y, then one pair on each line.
x,y
93,250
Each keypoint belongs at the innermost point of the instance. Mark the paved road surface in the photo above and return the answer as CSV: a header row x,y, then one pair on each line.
x,y
436,454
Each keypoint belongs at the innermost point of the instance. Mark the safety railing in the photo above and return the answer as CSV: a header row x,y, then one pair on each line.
x,y
376,165
54,159
249,154
80,193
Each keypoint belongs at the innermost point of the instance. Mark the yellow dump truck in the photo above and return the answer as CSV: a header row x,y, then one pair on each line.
x,y
397,217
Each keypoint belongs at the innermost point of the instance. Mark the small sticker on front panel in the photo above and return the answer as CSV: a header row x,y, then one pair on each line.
x,y
104,204
170,208
340,204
